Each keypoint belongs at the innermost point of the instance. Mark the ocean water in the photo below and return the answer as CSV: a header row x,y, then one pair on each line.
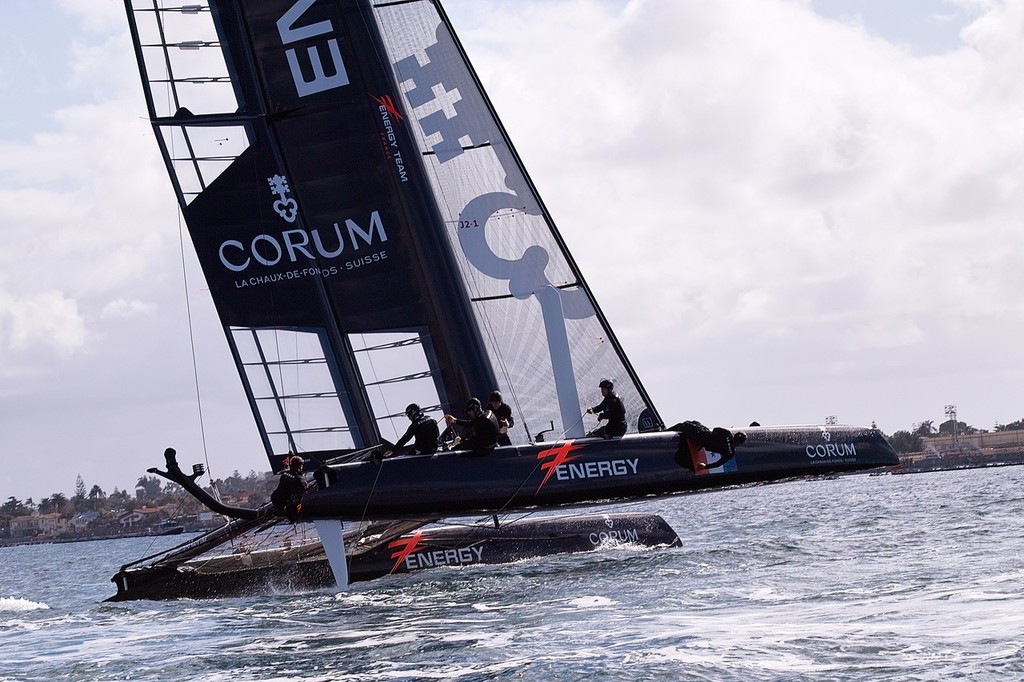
x,y
915,577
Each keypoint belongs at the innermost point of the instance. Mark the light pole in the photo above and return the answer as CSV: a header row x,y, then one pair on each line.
x,y
951,414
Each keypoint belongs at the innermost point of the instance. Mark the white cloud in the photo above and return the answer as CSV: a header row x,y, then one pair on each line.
x,y
98,16
127,309
45,320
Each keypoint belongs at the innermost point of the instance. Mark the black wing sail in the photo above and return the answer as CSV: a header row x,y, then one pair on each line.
x,y
320,242
367,231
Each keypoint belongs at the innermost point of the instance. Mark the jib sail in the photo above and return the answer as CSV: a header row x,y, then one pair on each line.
x,y
366,229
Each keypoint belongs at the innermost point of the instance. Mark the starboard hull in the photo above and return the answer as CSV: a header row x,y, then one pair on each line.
x,y
267,573
585,470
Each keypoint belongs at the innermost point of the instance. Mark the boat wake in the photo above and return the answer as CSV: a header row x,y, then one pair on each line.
x,y
17,605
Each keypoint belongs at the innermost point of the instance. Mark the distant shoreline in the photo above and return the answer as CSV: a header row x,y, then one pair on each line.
x,y
15,542
926,470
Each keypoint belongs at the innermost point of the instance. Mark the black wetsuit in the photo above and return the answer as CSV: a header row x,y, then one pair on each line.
x,y
289,489
717,440
611,408
424,430
483,432
503,412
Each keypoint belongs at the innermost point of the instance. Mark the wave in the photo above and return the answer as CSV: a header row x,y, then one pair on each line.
x,y
16,604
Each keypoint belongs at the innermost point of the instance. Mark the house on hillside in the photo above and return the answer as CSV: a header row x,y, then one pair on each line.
x,y
38,526
144,517
24,526
52,525
82,521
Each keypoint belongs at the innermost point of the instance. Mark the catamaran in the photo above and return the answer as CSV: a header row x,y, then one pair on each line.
x,y
371,238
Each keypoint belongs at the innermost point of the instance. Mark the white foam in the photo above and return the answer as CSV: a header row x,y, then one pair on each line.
x,y
591,602
16,604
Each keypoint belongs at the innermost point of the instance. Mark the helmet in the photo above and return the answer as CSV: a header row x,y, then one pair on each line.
x,y
495,397
605,383
473,404
412,410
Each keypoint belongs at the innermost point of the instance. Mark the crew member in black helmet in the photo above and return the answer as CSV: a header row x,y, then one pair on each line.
x,y
423,429
480,428
291,486
610,408
503,413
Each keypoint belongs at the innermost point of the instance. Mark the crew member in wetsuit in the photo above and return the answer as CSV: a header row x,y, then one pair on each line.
x,y
503,413
422,431
481,428
718,440
291,486
610,408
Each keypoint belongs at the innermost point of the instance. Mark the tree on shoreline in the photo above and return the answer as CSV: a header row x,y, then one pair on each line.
x,y
905,441
151,491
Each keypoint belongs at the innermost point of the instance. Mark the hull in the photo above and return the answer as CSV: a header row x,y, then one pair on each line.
x,y
584,470
306,568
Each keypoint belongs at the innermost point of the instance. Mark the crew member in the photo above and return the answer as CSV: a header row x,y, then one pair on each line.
x,y
503,413
422,431
718,440
609,408
480,428
291,486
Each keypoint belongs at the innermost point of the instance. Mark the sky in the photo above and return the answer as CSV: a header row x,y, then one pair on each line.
x,y
787,209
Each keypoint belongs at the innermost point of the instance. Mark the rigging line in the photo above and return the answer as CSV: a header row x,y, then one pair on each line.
x,y
276,387
520,486
172,96
362,517
247,541
494,346
499,354
259,345
474,277
489,517
438,189
562,437
468,274
177,512
273,534
192,342
515,492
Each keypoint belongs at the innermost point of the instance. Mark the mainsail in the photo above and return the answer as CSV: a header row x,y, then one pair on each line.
x,y
368,232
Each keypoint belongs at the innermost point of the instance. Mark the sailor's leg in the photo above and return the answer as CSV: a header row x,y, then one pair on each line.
x,y
333,538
